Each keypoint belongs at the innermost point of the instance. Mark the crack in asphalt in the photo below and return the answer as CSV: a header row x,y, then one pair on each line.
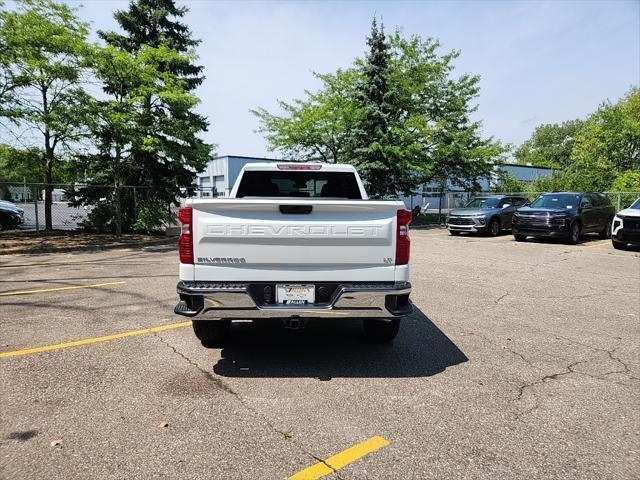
x,y
569,369
626,369
226,388
502,297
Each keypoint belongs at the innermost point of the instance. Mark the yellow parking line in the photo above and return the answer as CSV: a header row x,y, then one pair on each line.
x,y
59,289
331,464
87,341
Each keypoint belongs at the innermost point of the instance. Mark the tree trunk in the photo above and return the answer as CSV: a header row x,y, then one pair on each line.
x,y
48,162
118,210
48,188
117,199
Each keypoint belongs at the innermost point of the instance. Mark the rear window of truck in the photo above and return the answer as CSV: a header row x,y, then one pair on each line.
x,y
308,184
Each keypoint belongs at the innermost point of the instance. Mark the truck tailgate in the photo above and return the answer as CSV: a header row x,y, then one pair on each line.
x,y
294,240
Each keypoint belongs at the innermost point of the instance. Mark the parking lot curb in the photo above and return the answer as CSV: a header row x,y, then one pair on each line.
x,y
88,248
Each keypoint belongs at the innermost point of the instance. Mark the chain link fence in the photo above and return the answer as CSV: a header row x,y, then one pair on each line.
x,y
68,211
68,214
434,206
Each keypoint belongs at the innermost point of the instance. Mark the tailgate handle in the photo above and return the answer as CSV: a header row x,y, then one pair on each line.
x,y
296,209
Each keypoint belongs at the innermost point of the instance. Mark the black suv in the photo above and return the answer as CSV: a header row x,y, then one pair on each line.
x,y
565,215
10,215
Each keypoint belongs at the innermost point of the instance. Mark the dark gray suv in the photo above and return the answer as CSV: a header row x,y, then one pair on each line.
x,y
488,215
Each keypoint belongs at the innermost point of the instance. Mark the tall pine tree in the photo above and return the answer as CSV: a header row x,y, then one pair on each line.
x,y
172,150
374,149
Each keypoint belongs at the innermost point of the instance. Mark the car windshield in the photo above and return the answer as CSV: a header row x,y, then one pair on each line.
x,y
563,200
636,205
487,202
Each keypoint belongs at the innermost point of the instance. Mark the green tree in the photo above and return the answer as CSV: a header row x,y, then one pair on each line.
x,y
128,79
408,123
374,140
603,148
318,127
609,144
18,165
11,79
550,145
508,183
171,150
48,44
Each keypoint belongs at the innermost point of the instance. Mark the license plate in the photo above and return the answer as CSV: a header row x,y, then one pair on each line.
x,y
295,294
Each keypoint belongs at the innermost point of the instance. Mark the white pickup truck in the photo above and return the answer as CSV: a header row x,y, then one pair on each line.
x,y
294,241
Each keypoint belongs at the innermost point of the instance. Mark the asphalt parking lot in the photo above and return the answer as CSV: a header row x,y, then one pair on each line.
x,y
520,361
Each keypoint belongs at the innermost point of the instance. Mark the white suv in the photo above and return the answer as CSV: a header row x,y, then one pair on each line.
x,y
626,227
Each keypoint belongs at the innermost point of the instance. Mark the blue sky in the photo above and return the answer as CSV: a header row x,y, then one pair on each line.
x,y
540,62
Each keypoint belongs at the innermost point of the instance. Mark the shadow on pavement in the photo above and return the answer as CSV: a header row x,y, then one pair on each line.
x,y
337,348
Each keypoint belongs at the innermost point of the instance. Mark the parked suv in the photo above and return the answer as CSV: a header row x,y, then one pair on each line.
x,y
626,227
485,214
565,215
10,215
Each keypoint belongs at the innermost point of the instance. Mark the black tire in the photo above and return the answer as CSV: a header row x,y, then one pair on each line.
x,y
519,238
493,229
212,333
618,245
454,233
606,231
574,233
381,331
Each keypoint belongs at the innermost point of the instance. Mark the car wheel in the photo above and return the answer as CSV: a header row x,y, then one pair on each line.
x,y
493,230
619,245
381,331
520,238
606,231
454,233
212,333
574,233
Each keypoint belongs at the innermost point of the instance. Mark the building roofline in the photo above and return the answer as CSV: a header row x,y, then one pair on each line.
x,y
524,166
244,157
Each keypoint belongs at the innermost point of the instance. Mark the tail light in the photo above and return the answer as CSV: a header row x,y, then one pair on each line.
x,y
185,243
403,244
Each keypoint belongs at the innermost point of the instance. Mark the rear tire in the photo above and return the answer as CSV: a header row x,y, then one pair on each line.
x,y
606,231
212,333
381,331
454,233
520,238
574,233
619,245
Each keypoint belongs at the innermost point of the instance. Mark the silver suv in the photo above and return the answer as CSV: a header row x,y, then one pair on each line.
x,y
487,215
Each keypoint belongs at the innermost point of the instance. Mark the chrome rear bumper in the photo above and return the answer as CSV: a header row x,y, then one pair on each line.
x,y
210,300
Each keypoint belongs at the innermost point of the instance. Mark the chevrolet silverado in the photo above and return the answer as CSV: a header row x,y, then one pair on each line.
x,y
294,241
